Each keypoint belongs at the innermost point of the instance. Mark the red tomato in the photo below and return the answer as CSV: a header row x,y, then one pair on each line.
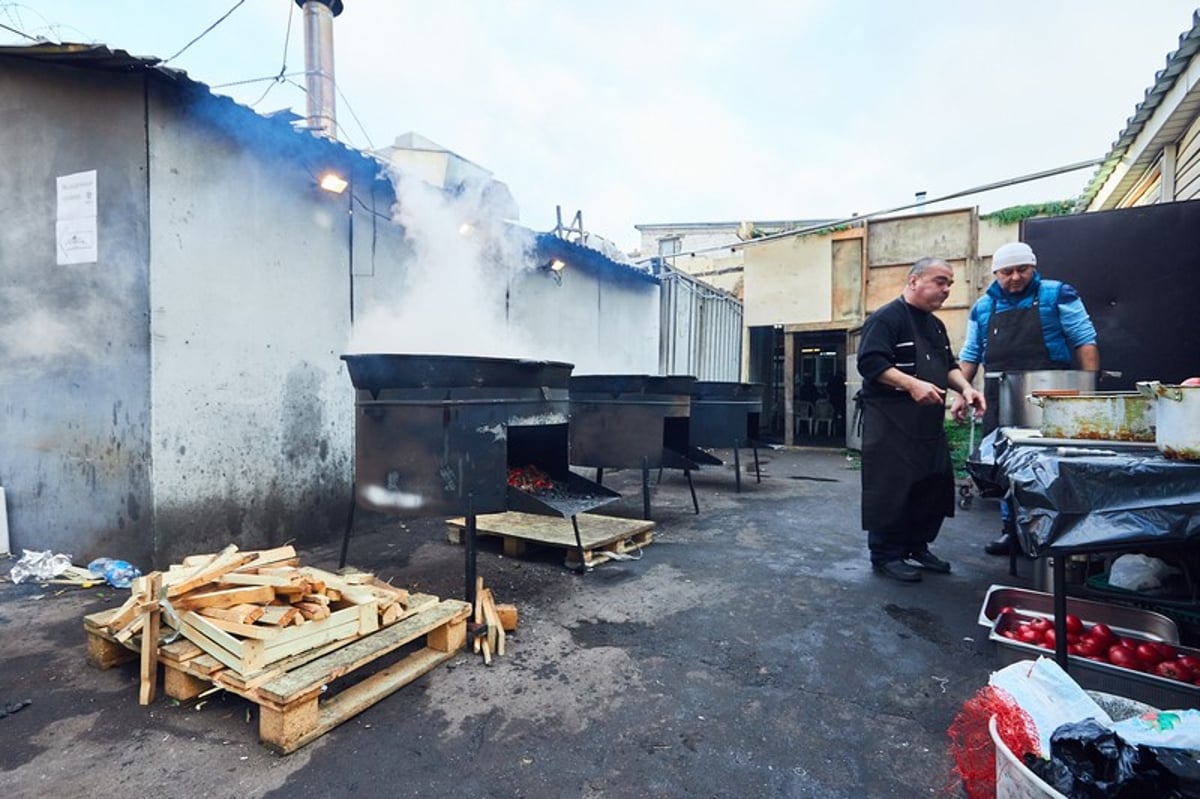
x,y
1103,632
1191,661
1173,669
1148,653
1029,635
1041,625
1074,649
1049,638
1074,624
1074,638
1123,656
1009,634
1089,646
1128,643
1007,610
1165,650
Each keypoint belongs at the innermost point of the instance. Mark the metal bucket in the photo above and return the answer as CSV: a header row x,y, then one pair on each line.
x,y
1014,387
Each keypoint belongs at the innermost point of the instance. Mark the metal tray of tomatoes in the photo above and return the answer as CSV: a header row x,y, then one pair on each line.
x,y
1143,686
1137,621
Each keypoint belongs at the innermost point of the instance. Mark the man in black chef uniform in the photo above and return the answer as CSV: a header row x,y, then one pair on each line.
x,y
906,363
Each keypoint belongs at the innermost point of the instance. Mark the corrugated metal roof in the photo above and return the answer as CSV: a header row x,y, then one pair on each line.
x,y
101,58
1164,81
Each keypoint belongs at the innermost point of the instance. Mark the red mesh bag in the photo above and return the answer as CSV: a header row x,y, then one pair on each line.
x,y
971,743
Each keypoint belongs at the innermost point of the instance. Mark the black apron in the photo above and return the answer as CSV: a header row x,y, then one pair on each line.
x,y
907,474
1016,341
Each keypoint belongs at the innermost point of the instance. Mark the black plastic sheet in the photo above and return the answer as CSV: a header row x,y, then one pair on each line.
x,y
1080,501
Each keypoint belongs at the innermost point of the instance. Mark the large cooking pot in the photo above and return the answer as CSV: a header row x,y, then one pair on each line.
x,y
1177,419
1112,416
1013,388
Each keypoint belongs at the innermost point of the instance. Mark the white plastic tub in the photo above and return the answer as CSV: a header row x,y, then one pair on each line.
x,y
1013,779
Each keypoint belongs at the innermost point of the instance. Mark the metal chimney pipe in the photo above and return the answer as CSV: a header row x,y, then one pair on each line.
x,y
318,64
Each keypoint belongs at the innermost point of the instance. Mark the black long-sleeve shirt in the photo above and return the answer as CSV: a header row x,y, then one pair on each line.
x,y
887,340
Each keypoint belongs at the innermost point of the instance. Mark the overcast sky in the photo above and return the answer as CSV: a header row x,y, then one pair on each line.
x,y
655,111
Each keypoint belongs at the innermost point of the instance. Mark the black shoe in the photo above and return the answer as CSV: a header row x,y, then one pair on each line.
x,y
897,570
931,562
1001,546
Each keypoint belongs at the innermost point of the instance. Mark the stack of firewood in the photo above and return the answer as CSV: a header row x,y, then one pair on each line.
x,y
251,609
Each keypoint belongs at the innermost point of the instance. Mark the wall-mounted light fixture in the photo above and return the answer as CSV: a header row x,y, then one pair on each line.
x,y
555,267
333,182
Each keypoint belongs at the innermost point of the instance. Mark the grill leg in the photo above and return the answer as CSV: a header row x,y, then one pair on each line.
x,y
737,467
469,550
579,543
757,470
695,504
645,489
349,524
599,475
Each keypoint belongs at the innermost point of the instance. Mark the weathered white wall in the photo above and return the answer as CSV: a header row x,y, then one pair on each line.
x,y
602,325
74,382
250,305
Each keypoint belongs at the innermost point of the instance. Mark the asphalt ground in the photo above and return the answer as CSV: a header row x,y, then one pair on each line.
x,y
748,652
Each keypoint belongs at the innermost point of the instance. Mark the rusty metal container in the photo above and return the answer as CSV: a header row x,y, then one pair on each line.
x,y
1177,419
1111,416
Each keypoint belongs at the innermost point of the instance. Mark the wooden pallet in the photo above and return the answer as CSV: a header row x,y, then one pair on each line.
x,y
603,537
289,692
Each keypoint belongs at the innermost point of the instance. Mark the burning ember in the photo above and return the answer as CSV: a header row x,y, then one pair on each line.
x,y
530,479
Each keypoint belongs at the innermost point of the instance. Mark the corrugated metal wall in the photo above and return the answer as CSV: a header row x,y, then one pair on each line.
x,y
701,330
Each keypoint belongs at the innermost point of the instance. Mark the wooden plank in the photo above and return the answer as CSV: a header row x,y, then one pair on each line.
x,y
595,530
358,653
340,632
179,651
225,597
209,646
280,615
239,614
352,701
246,578
226,560
255,631
264,557
148,685
249,654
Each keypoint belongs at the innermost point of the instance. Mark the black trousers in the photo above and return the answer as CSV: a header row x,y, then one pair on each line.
x,y
899,544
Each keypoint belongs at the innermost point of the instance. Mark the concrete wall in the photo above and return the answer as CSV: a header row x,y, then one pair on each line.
x,y
74,340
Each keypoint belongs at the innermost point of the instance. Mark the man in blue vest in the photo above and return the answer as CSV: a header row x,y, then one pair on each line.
x,y
1023,323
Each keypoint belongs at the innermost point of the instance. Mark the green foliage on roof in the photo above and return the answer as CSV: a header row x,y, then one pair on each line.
x,y
1019,213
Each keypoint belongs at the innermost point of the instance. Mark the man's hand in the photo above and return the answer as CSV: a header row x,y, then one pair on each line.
x,y
958,408
924,393
972,398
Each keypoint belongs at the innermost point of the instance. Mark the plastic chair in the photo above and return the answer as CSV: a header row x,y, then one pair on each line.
x,y
803,415
823,414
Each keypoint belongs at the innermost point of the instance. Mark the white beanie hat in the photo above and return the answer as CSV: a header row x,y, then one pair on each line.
x,y
1016,253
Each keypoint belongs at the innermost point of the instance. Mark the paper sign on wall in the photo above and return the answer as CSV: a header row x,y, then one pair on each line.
x,y
75,224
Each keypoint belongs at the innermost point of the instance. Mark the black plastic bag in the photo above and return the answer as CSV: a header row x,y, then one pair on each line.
x,y
1090,761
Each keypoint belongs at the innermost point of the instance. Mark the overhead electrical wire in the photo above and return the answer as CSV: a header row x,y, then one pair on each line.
x,y
206,31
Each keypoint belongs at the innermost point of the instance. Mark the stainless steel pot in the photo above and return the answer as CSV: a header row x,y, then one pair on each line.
x,y
1177,419
1113,416
1014,387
